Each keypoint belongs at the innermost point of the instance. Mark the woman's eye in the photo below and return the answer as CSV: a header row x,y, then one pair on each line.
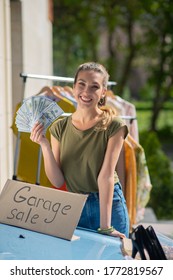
x,y
95,87
81,84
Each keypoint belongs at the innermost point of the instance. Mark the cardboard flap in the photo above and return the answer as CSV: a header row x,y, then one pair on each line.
x,y
40,208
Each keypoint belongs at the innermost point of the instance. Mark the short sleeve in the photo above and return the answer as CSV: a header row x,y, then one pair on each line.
x,y
115,126
56,129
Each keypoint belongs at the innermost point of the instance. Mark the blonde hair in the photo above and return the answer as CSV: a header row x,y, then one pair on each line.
x,y
93,66
108,112
108,115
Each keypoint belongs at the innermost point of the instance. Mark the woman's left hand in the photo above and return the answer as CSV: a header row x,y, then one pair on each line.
x,y
116,233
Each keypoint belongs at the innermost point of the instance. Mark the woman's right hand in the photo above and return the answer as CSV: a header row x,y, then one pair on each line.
x,y
37,134
52,169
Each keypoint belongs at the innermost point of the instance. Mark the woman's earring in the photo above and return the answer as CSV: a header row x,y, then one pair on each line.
x,y
102,101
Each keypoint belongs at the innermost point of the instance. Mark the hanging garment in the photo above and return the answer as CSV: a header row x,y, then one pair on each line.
x,y
141,189
130,180
125,108
66,92
144,185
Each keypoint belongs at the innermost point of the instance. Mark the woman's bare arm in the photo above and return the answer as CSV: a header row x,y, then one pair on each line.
x,y
106,180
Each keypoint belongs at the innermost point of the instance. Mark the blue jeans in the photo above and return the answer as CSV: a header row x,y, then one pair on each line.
x,y
90,217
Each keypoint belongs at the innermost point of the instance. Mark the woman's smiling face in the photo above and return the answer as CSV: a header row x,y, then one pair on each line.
x,y
89,88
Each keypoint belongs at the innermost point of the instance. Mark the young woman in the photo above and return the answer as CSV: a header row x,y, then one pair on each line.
x,y
84,151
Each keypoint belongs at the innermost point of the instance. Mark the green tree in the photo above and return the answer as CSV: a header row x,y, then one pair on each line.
x,y
75,34
158,35
124,35
161,174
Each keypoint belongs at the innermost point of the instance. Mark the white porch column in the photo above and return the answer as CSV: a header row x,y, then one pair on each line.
x,y
6,147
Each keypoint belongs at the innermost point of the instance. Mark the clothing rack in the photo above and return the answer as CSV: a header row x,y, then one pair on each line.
x,y
52,78
66,80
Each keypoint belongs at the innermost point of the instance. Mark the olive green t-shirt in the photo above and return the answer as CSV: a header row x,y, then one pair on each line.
x,y
82,152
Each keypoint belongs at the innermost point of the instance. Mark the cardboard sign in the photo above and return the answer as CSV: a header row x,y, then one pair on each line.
x,y
40,208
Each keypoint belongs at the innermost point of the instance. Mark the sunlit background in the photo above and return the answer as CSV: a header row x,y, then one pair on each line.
x,y
133,39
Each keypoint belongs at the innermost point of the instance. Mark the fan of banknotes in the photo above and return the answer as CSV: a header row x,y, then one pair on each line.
x,y
37,108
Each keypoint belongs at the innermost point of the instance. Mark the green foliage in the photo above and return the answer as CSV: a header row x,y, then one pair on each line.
x,y
166,134
164,121
75,34
161,175
124,36
147,92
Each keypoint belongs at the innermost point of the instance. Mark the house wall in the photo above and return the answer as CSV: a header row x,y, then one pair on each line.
x,y
25,47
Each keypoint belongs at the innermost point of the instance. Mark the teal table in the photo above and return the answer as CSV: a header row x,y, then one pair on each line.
x,y
21,244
